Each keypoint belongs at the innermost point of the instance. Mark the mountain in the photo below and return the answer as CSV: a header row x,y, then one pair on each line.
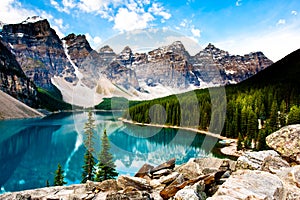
x,y
233,68
81,73
39,51
284,72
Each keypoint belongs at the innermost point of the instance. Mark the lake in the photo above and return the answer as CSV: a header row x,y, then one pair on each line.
x,y
30,149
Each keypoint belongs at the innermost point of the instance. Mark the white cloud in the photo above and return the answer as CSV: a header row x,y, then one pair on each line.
x,y
11,11
66,5
195,32
69,3
126,20
294,12
94,41
281,22
238,3
184,23
157,9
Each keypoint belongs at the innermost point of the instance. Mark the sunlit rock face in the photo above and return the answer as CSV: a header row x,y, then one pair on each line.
x,y
39,51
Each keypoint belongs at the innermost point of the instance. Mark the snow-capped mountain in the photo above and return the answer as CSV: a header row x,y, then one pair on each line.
x,y
85,76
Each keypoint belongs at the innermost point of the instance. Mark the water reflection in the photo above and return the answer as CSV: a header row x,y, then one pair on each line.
x,y
31,150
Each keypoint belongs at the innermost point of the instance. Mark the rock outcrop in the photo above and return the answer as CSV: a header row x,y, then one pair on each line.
x,y
251,185
286,142
39,51
255,160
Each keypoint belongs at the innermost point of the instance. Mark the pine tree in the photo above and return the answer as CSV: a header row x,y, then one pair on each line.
x,y
47,183
282,116
273,116
261,140
59,176
106,166
240,142
89,161
294,115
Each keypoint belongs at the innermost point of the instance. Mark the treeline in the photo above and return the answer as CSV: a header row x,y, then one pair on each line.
x,y
250,113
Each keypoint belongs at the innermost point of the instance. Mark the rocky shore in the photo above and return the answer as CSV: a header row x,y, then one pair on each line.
x,y
263,175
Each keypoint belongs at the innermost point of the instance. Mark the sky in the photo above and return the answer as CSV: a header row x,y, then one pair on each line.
x,y
237,26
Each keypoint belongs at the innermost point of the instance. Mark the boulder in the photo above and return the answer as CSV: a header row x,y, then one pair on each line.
x,y
247,184
108,185
144,170
185,194
167,165
168,179
273,164
136,195
215,163
291,179
160,173
254,160
286,142
138,183
198,166
190,170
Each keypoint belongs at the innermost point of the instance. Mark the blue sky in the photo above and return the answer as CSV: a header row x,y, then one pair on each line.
x,y
238,26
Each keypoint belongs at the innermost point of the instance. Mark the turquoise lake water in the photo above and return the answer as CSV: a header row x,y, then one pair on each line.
x,y
30,149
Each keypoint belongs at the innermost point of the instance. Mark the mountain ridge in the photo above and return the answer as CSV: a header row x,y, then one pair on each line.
x,y
71,63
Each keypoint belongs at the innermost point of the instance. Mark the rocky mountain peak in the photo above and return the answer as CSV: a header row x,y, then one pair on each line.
x,y
178,49
215,52
126,56
126,49
38,29
39,51
77,42
106,49
32,19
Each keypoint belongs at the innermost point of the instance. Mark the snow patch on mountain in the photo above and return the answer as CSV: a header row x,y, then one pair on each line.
x,y
32,19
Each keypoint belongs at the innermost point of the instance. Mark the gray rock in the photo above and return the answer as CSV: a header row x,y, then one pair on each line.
x,y
254,160
197,166
160,173
286,142
190,170
144,170
186,194
247,184
291,179
170,164
108,185
273,164
169,178
138,183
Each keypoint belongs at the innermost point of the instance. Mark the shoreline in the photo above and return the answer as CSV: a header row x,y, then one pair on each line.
x,y
228,150
177,127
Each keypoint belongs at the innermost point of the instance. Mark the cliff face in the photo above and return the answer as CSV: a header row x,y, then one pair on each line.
x,y
13,81
39,51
